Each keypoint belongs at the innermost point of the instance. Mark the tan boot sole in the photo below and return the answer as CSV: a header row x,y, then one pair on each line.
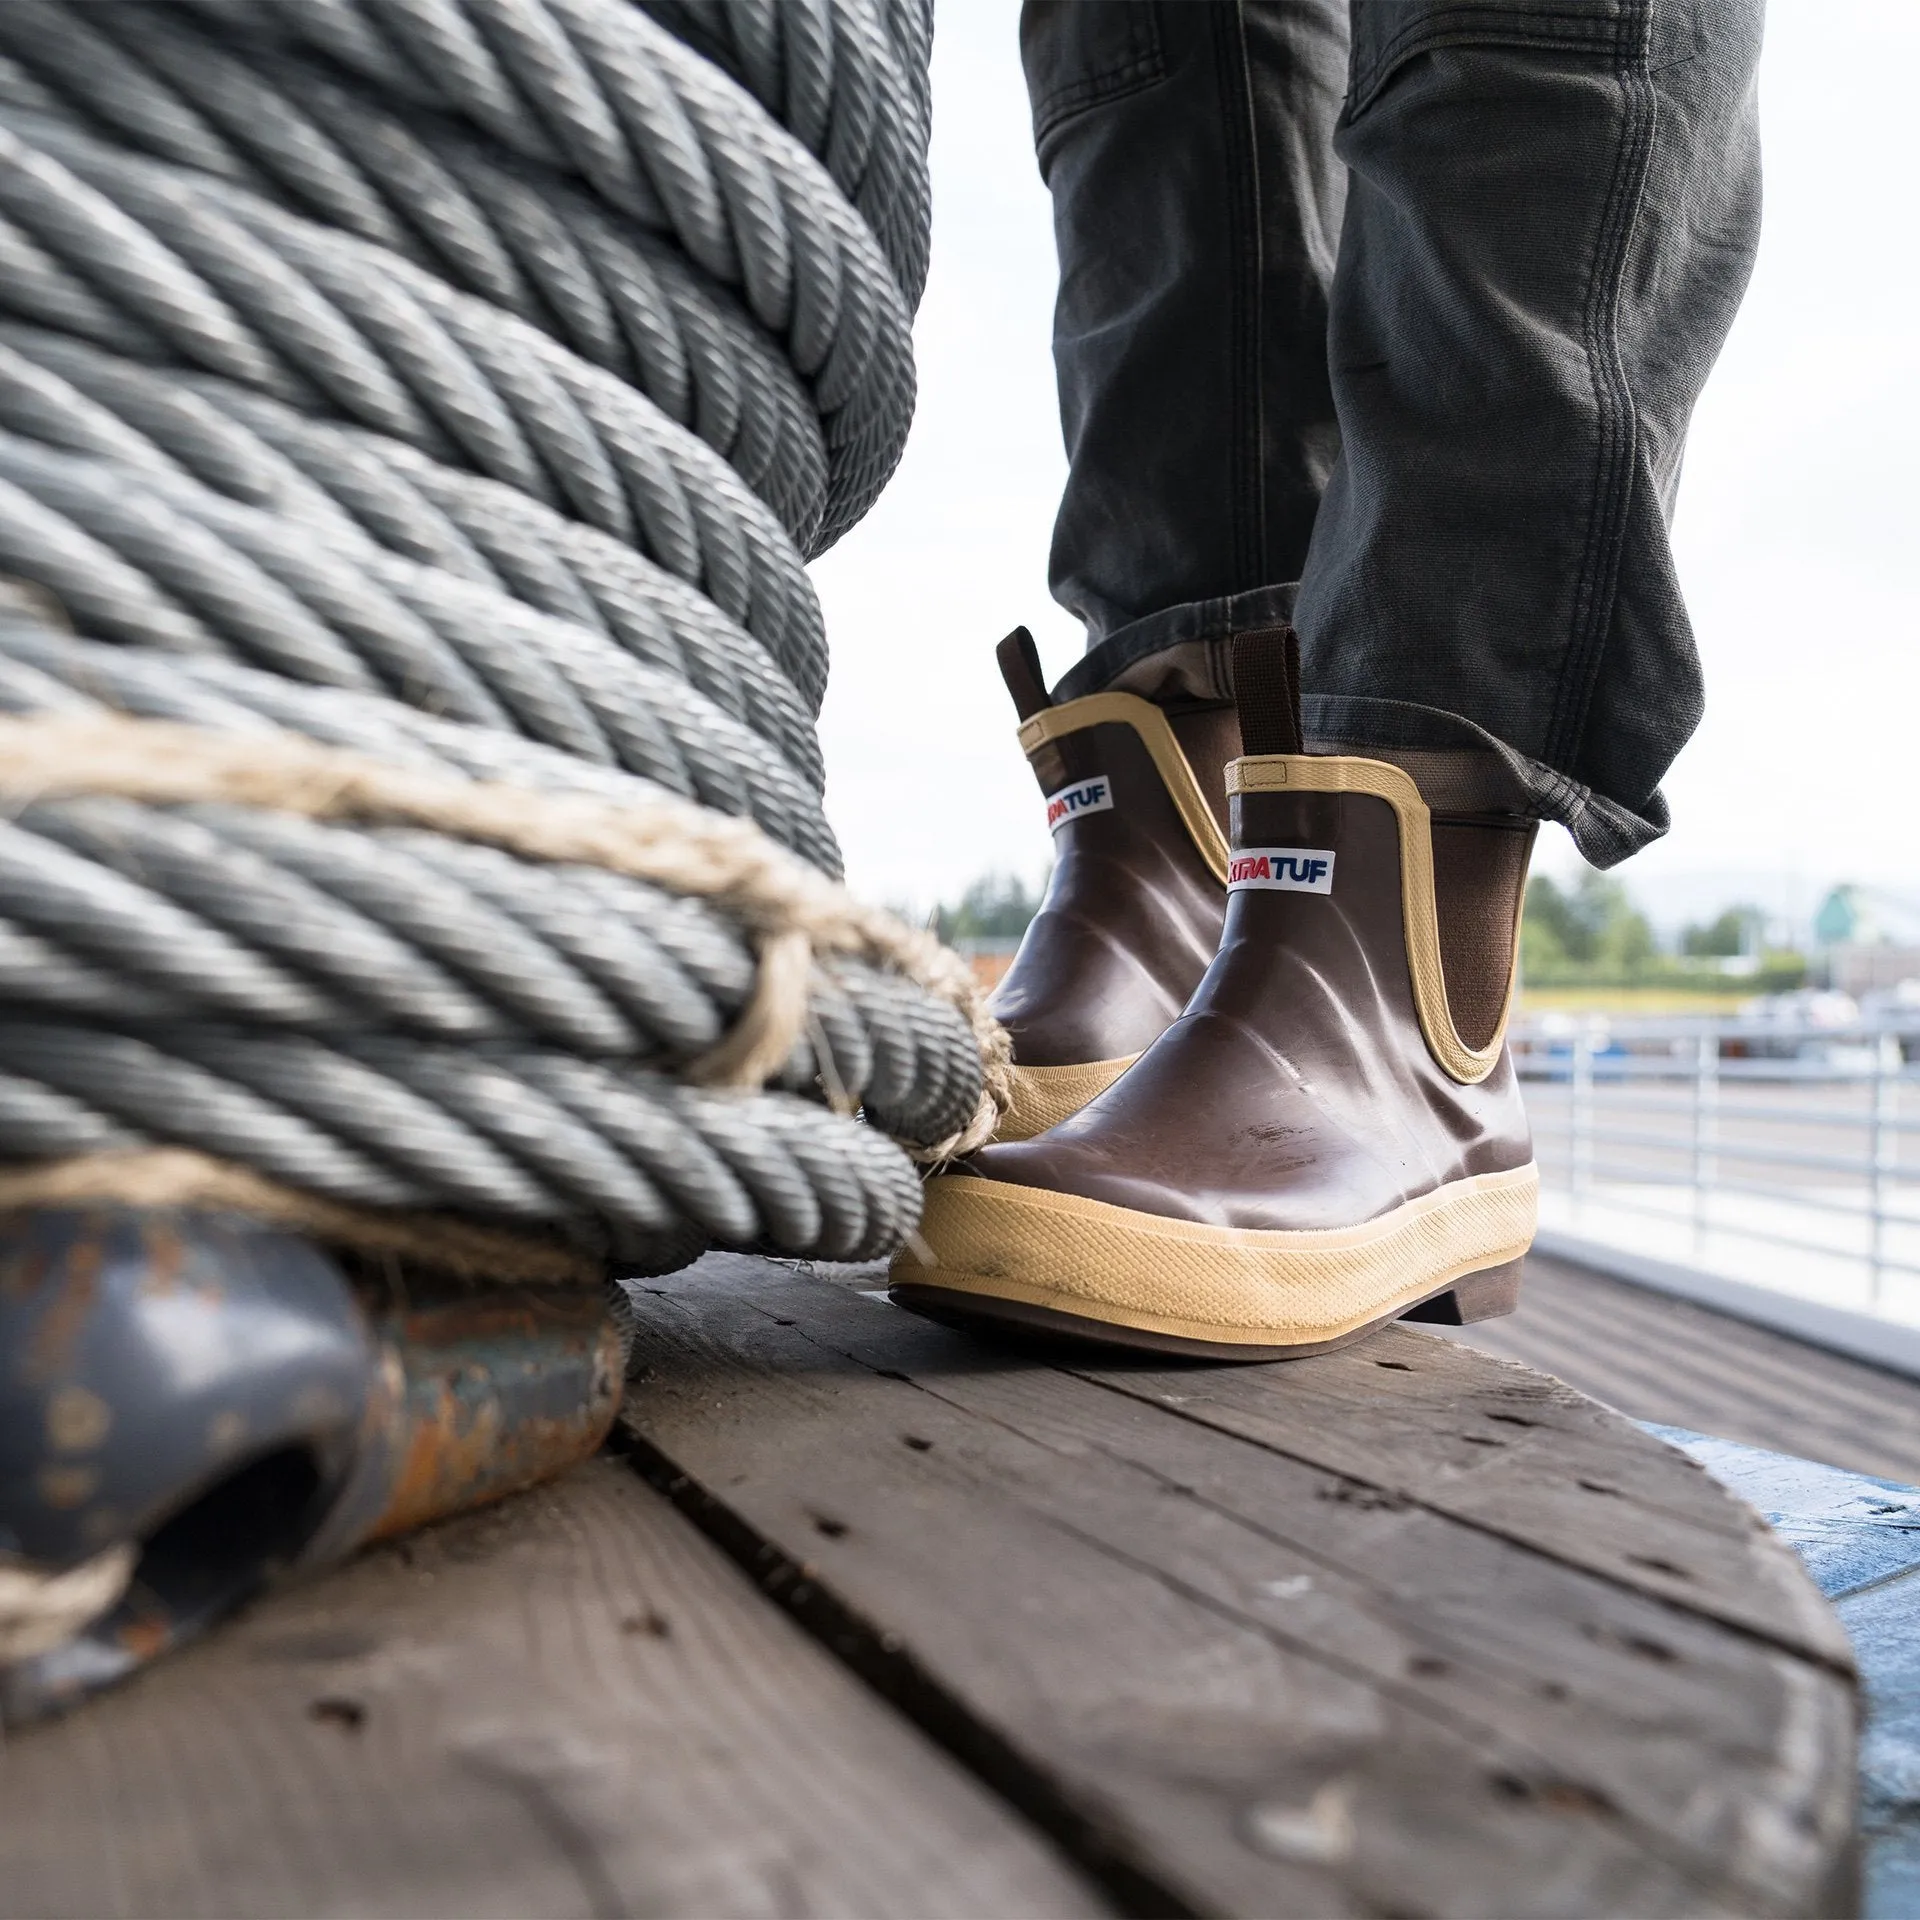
x,y
1044,1096
1055,1260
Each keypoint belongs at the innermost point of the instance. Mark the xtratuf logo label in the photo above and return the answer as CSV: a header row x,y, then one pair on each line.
x,y
1286,869
1090,796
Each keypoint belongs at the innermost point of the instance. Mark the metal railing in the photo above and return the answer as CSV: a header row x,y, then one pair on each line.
x,y
1782,1133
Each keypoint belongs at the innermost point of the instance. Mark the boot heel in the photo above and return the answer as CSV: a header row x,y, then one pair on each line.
x,y
1474,1296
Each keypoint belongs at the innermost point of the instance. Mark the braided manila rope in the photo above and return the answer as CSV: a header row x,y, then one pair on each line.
x,y
415,417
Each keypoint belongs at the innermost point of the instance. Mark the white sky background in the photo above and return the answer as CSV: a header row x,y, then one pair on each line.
x,y
1795,533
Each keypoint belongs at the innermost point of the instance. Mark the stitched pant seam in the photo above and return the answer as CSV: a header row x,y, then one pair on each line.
x,y
1060,108
1247,477
1597,583
1541,27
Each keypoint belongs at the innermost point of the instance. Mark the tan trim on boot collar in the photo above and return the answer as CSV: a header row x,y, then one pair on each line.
x,y
1336,773
1044,1096
1129,710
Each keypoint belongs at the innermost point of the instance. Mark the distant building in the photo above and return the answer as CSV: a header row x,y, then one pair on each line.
x,y
1868,939
1858,969
989,958
1838,923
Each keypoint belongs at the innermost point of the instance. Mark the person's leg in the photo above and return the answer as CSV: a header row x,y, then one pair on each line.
x,y
1551,218
1196,198
1188,149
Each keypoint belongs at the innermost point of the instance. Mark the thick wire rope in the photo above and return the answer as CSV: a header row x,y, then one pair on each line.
x,y
462,383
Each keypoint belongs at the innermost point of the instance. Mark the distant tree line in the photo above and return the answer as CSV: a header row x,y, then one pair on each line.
x,y
1591,925
996,907
1586,933
1591,934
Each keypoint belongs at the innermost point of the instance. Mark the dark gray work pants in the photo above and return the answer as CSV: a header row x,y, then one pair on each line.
x,y
1395,332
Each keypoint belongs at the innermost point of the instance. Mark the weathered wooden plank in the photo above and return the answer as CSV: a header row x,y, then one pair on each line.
x,y
1510,1450
1659,1358
572,1704
1258,1685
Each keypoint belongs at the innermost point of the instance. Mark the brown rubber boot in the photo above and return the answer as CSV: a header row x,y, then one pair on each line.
x,y
1137,803
1330,1136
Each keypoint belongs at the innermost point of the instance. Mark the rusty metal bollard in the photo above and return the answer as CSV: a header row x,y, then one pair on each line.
x,y
216,1402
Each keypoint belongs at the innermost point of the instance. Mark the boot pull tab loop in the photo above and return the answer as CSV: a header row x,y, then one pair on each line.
x,y
1020,668
1266,688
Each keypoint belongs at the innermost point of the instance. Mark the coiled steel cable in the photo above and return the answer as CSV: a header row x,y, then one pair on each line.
x,y
462,384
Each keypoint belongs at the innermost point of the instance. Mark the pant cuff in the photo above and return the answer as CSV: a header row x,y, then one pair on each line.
x,y
1184,657
1179,656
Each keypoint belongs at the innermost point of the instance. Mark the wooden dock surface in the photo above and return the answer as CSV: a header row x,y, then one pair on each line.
x,y
1658,1358
862,1616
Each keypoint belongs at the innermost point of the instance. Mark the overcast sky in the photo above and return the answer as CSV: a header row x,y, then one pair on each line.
x,y
1795,534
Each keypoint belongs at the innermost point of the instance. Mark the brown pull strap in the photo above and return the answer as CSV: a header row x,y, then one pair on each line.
x,y
1020,668
1266,688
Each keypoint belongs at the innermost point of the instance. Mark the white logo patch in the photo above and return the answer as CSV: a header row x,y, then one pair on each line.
x,y
1287,869
1088,796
